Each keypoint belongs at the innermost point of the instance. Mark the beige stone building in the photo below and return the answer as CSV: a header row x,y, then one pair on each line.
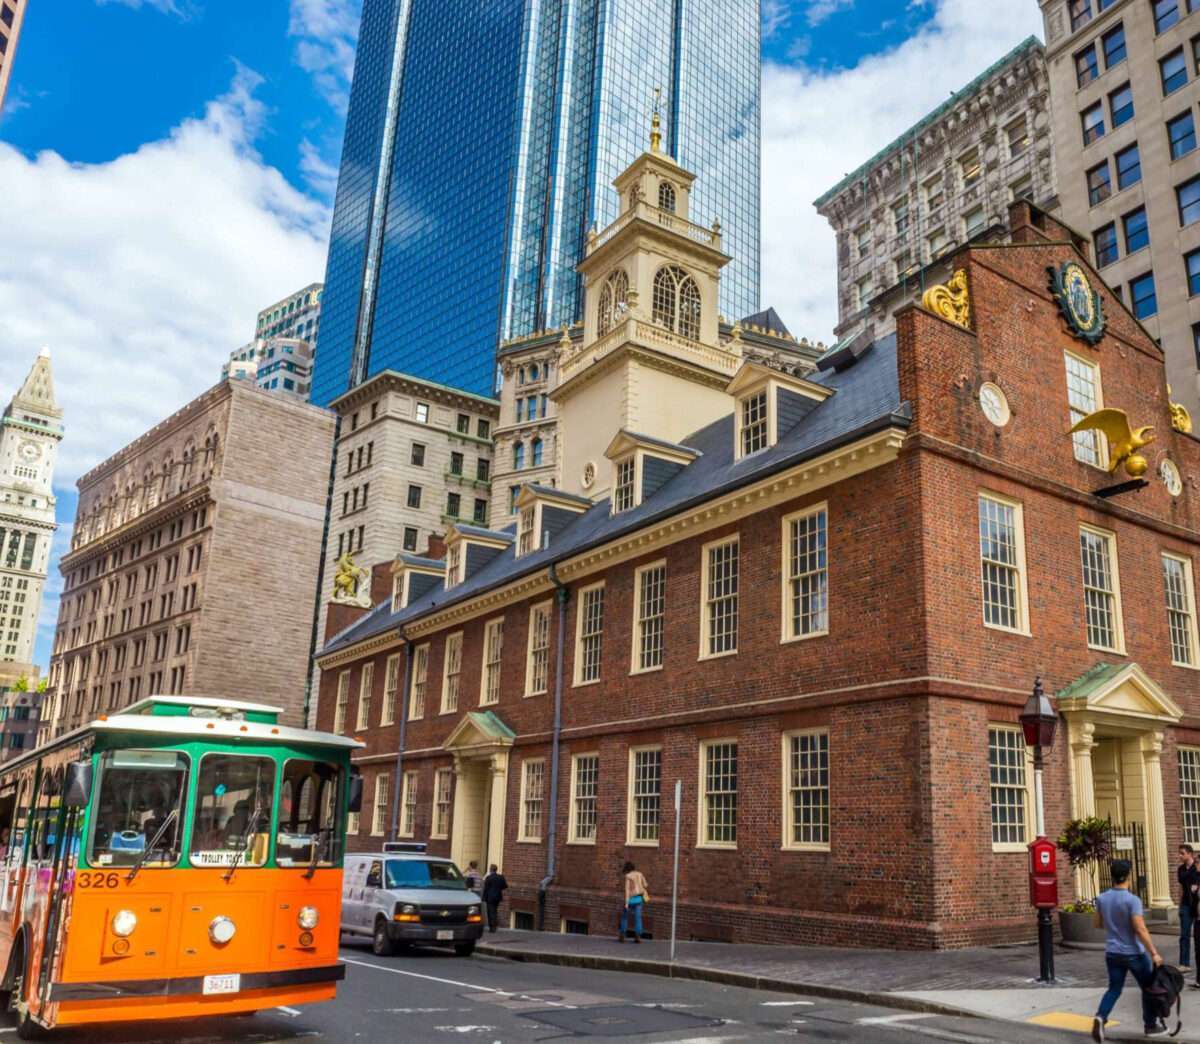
x,y
1124,86
945,181
193,562
12,14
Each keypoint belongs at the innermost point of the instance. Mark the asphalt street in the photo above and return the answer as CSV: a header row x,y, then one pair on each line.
x,y
431,995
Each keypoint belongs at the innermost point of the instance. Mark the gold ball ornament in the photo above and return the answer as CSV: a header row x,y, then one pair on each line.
x,y
1136,465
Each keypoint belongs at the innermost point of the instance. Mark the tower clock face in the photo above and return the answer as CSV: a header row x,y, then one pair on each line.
x,y
29,451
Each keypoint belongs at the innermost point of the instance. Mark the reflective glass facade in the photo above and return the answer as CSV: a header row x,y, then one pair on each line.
x,y
481,143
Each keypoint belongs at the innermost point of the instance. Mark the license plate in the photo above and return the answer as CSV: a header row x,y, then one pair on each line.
x,y
445,935
222,984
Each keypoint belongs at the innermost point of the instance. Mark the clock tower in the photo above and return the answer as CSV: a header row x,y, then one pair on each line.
x,y
30,431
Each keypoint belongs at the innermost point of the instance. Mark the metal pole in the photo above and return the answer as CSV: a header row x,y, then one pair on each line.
x,y
1044,919
675,875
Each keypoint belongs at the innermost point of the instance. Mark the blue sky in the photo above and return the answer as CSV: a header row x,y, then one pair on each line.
x,y
169,168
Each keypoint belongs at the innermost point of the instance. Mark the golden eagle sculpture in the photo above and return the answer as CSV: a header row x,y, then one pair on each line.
x,y
1123,440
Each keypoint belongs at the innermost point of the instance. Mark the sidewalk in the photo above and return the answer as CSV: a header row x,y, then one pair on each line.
x,y
993,982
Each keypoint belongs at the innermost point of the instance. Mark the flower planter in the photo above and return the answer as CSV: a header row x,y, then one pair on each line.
x,y
1079,928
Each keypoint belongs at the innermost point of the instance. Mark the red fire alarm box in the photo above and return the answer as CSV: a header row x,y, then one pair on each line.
x,y
1043,873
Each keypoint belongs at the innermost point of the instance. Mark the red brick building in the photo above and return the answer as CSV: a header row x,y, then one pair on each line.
x,y
822,613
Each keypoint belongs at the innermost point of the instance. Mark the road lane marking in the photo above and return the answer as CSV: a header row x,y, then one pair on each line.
x,y
293,1012
464,985
884,1020
789,1004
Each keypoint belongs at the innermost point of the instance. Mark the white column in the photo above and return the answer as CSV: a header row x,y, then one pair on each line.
x,y
1159,881
499,803
1082,736
458,812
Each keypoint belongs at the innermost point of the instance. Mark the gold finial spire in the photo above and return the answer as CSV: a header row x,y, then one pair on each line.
x,y
656,122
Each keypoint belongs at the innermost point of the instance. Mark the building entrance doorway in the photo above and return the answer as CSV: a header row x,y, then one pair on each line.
x,y
480,744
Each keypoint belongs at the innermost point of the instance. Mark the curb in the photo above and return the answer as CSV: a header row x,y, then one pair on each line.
x,y
745,980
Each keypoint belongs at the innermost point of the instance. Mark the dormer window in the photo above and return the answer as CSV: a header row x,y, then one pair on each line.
x,y
666,196
397,592
614,297
768,403
752,413
641,466
527,531
625,487
543,511
676,302
454,562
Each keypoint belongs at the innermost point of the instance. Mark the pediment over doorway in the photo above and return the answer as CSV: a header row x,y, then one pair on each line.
x,y
1116,691
479,731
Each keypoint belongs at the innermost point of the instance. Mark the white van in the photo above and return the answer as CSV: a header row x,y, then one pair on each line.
x,y
402,897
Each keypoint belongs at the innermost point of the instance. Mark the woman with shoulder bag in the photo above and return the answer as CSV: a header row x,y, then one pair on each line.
x,y
636,896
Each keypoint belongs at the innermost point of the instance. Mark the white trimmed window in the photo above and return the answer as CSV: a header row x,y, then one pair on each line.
x,y
589,636
397,592
420,681
1181,609
1189,793
533,787
1101,588
806,789
391,683
752,424
453,668
527,531
493,649
537,667
806,573
1009,787
379,810
1002,563
585,788
718,793
408,805
353,824
365,684
341,702
1083,397
625,486
645,795
649,622
454,562
719,590
442,782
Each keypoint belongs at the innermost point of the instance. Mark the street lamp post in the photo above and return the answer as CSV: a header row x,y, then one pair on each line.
x,y
1038,722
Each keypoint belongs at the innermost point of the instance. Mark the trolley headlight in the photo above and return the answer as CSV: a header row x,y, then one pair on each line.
x,y
308,917
221,930
123,923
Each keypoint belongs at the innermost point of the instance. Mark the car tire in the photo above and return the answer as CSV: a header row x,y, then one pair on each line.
x,y
381,942
464,949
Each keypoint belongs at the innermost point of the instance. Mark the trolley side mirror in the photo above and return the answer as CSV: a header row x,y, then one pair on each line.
x,y
356,793
78,788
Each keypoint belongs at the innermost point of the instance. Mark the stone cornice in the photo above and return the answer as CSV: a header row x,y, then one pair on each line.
x,y
392,638
390,380
180,504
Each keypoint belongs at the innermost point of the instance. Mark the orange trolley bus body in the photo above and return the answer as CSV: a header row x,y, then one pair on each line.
x,y
180,858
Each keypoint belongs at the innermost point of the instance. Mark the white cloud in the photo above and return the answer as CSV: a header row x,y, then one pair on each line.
x,y
320,175
775,15
326,32
143,273
818,125
819,10
182,9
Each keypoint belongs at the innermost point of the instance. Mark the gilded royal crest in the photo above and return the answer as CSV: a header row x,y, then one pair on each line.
x,y
951,300
1078,300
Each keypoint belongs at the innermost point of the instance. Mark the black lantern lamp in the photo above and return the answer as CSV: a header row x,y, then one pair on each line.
x,y
1039,720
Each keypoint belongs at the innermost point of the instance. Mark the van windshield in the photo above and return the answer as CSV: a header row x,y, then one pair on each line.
x,y
140,806
417,873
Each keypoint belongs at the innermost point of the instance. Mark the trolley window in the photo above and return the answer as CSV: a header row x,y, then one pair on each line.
x,y
139,808
308,803
234,798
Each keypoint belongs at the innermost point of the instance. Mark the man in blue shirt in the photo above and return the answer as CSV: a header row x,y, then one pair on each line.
x,y
1127,948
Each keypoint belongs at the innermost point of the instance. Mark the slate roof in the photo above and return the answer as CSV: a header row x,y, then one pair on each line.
x,y
768,319
866,399
421,562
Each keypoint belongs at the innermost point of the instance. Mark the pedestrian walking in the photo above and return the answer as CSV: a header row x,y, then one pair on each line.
x,y
493,893
473,879
1128,948
1188,875
637,894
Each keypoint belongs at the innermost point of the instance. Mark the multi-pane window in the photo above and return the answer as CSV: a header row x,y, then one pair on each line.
x,y
1105,240
1129,167
1181,133
1189,793
970,168
1087,68
807,578
341,702
1097,556
623,490
1018,137
408,806
454,559
1142,297
973,221
1083,397
585,789
1181,610
442,781
1006,773
383,784
1120,105
1188,198
753,413
391,682
645,795
900,218
1092,119
453,667
719,765
527,530
675,301
1166,14
1099,184
1113,43
493,647
1001,561
1137,230
1191,263
365,684
533,785
720,615
651,610
590,639
420,681
807,818
1081,12
1174,71
537,673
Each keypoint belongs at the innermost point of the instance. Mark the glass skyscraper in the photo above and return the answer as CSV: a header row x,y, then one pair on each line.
x,y
481,143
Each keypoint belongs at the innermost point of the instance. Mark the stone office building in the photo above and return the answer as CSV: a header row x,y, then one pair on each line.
x,y
193,562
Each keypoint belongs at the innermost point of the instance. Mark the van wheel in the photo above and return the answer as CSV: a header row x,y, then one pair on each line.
x,y
464,949
381,942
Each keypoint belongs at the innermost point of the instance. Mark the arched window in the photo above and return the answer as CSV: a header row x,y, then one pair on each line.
x,y
614,296
666,196
518,456
537,452
676,302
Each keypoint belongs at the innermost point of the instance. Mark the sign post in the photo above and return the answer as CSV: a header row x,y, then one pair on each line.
x,y
675,875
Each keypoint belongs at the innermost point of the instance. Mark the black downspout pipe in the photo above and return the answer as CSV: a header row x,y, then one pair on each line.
x,y
394,827
562,596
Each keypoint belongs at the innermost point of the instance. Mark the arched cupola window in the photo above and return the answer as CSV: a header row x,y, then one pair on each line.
x,y
666,196
614,299
677,301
